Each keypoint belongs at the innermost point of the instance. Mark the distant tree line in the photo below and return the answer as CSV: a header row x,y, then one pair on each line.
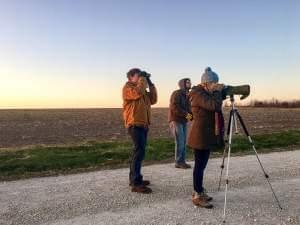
x,y
275,103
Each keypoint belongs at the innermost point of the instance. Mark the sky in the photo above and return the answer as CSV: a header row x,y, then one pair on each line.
x,y
76,53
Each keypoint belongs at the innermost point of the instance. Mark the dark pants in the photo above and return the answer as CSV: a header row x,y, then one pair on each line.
x,y
201,159
139,138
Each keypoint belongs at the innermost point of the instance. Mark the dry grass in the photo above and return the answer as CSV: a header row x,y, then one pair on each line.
x,y
44,161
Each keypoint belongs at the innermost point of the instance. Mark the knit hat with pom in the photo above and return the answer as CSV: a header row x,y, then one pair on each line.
x,y
209,76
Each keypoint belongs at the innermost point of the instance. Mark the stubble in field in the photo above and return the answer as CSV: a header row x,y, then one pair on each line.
x,y
65,126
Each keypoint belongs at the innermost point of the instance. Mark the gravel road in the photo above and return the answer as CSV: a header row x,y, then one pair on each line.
x,y
103,197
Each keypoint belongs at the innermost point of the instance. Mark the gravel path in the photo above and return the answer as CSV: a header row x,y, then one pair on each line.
x,y
103,197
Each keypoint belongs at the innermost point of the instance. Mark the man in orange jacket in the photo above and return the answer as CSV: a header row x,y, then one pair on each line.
x,y
137,103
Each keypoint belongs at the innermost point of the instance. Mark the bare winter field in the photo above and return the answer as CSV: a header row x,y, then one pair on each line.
x,y
64,126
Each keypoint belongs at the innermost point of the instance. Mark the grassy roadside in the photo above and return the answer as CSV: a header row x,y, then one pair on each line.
x,y
45,161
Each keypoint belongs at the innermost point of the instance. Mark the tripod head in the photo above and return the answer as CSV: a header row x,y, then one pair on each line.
x,y
232,115
232,101
231,97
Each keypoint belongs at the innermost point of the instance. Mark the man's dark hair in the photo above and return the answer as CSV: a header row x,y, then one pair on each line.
x,y
132,72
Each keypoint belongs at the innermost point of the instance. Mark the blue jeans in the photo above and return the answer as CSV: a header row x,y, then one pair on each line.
x,y
179,131
139,139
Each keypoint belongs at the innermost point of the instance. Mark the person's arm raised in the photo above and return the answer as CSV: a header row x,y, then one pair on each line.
x,y
153,95
135,92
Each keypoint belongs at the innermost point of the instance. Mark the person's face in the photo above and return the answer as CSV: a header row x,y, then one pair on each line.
x,y
188,84
208,86
135,78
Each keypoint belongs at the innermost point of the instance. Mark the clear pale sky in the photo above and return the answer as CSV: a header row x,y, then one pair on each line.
x,y
75,53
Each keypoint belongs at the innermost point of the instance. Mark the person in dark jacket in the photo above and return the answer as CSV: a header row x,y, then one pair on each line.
x,y
206,103
179,115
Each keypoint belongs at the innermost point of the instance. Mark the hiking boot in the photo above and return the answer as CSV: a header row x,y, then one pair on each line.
x,y
144,183
206,196
201,201
141,189
182,165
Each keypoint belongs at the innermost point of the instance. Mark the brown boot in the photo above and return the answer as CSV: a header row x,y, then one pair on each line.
x,y
201,201
141,189
206,196
144,183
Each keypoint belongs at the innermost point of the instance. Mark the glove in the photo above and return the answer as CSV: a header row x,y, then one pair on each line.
x,y
189,117
149,82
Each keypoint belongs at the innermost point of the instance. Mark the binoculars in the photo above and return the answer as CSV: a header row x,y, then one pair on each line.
x,y
144,74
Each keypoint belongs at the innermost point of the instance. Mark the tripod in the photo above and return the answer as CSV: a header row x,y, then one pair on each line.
x,y
233,117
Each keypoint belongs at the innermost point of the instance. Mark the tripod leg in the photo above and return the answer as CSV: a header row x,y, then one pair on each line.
x,y
228,161
258,159
225,150
235,124
222,168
